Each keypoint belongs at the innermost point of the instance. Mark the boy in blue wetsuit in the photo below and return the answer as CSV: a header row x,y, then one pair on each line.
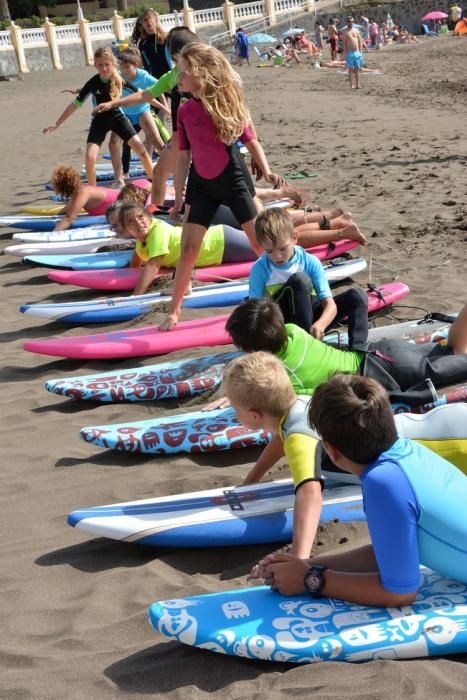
x,y
297,282
414,502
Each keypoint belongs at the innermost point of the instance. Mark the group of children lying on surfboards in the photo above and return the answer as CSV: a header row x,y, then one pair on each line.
x,y
414,499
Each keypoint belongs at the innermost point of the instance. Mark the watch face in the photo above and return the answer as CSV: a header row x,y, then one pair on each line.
x,y
313,582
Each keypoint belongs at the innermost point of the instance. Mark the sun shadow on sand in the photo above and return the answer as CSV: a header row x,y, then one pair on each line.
x,y
158,670
418,161
12,373
42,279
99,555
32,332
105,458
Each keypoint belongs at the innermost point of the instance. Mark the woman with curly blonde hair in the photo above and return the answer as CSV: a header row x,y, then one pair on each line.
x,y
208,126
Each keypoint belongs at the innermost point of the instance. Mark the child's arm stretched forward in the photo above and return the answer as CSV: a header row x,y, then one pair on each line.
x,y
148,274
71,109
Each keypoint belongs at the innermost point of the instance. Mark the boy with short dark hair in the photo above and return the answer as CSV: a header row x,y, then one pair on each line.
x,y
296,280
413,499
409,372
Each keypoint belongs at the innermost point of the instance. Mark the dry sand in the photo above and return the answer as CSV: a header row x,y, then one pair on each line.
x,y
73,609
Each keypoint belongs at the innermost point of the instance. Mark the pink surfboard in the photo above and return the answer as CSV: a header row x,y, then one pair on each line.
x,y
125,279
150,340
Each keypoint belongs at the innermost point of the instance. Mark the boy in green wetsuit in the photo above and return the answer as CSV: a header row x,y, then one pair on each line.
x,y
408,372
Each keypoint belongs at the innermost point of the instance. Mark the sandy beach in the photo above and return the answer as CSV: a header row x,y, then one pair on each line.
x,y
74,609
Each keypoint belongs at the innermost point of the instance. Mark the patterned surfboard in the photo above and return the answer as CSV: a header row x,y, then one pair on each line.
x,y
257,623
208,431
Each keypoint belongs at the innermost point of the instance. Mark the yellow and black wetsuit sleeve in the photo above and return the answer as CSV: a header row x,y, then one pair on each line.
x,y
303,456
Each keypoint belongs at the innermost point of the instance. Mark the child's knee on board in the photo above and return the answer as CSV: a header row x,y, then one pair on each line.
x,y
358,297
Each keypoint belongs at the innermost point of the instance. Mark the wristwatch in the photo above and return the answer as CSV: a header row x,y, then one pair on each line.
x,y
314,580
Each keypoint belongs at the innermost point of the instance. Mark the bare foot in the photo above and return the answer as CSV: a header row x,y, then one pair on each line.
x,y
334,213
117,184
169,322
353,232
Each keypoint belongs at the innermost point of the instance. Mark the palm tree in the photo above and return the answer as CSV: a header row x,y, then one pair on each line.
x,y
4,10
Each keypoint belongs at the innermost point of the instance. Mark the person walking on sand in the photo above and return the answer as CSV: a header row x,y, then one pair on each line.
x,y
333,35
353,46
243,47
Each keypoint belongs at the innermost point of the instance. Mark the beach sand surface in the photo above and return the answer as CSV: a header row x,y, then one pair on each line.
x,y
74,609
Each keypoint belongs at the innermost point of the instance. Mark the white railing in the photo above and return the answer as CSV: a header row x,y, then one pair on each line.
x,y
249,9
288,5
128,26
168,21
5,39
33,37
212,15
101,30
67,33
256,25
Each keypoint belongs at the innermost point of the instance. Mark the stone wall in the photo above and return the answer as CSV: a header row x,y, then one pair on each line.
x,y
8,64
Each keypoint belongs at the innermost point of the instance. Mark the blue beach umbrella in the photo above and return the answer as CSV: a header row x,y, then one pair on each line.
x,y
261,38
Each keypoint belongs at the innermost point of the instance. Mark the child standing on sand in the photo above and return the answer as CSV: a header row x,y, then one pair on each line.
x,y
208,126
106,85
414,502
353,47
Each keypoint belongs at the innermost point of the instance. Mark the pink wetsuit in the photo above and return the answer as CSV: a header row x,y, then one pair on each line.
x,y
110,197
196,132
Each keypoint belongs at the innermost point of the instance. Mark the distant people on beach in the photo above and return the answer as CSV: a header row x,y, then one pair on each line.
x,y
319,35
374,33
353,47
455,15
333,36
243,46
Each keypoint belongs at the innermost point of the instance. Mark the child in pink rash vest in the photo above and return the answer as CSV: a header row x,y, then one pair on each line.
x,y
208,126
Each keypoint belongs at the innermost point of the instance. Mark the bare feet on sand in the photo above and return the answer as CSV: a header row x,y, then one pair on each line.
x,y
353,232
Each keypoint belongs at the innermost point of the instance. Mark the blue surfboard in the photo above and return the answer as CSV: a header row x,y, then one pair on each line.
x,y
221,517
85,261
48,223
257,623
